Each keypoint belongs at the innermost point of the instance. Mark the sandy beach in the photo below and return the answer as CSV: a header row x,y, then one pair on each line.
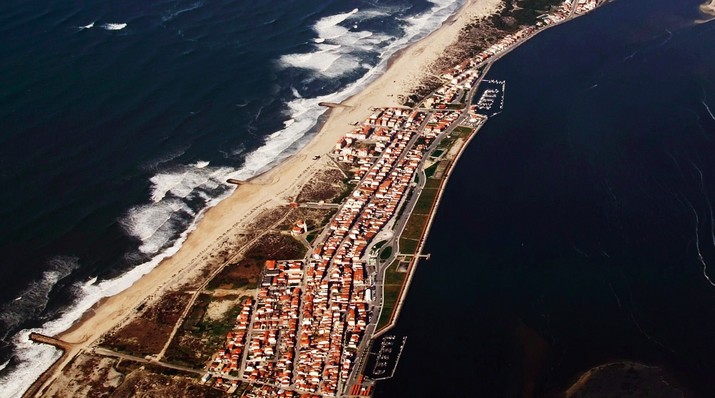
x,y
708,7
275,187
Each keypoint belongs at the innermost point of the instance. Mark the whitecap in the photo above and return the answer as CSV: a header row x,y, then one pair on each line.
x,y
88,26
114,26
201,164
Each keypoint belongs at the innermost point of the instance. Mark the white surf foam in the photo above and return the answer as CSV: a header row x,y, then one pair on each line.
x,y
33,299
155,223
88,26
338,48
181,181
32,359
114,26
305,111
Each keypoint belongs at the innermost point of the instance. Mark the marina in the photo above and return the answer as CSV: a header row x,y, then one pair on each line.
x,y
384,356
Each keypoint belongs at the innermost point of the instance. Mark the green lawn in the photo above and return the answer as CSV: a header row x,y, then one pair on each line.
x,y
392,277
392,292
414,227
408,246
462,131
425,201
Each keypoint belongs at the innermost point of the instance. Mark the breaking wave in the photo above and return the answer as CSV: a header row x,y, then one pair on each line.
x,y
340,45
33,300
176,197
30,359
88,26
114,26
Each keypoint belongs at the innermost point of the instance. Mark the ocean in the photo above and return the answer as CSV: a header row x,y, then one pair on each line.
x,y
578,228
121,122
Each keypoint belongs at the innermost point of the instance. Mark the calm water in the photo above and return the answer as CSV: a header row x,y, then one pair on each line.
x,y
122,120
584,213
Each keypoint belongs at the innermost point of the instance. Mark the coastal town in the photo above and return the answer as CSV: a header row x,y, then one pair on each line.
x,y
316,326
308,328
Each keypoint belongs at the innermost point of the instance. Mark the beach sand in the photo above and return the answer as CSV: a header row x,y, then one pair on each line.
x,y
276,186
708,7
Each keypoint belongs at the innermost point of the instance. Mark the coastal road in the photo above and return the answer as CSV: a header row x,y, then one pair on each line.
x,y
109,353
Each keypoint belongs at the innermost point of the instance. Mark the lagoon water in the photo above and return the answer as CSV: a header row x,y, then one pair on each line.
x,y
121,122
578,227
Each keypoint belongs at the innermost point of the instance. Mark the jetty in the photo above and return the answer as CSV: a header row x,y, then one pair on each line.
x,y
64,346
333,105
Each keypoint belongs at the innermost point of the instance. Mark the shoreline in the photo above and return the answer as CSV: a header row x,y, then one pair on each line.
x,y
404,71
412,268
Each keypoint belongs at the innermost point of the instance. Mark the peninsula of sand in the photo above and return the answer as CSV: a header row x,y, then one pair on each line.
x,y
216,231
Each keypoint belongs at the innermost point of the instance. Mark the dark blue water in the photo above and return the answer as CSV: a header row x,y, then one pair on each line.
x,y
585,217
121,121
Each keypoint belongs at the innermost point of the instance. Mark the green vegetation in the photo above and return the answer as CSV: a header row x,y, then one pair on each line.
x,y
462,131
429,172
432,184
392,276
425,201
386,253
446,143
393,284
349,187
437,153
390,300
516,14
311,237
414,227
408,246
199,336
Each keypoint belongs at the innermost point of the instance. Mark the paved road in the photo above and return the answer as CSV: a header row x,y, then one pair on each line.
x,y
109,353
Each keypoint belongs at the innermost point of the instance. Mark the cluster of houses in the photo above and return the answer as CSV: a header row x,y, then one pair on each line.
x,y
584,6
367,141
271,343
304,330
309,319
227,360
438,123
461,79
337,299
